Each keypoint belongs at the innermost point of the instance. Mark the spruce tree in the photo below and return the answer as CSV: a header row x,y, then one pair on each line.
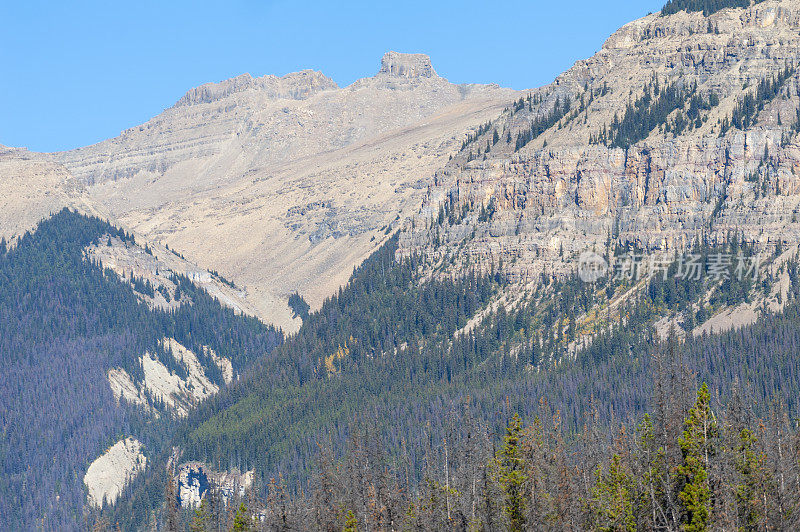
x,y
171,505
200,522
750,490
612,498
510,471
697,448
242,521
351,524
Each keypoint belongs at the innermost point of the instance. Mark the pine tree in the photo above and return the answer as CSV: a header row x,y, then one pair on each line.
x,y
242,521
171,505
612,498
697,448
200,522
750,492
653,475
510,468
351,524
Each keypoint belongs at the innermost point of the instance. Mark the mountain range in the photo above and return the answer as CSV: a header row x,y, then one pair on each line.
x,y
283,184
302,297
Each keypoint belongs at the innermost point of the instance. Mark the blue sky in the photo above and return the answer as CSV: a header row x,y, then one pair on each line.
x,y
75,73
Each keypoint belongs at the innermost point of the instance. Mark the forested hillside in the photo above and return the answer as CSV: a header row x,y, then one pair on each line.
x,y
472,374
384,355
689,464
64,322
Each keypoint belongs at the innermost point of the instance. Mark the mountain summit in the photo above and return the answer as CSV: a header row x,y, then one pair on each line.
x,y
675,150
407,65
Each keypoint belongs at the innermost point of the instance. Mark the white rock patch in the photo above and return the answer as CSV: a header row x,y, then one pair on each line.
x,y
224,365
176,393
122,387
159,268
197,384
193,479
108,475
163,385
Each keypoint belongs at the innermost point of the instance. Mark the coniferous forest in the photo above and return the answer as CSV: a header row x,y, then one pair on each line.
x,y
379,414
470,375
687,465
64,322
375,414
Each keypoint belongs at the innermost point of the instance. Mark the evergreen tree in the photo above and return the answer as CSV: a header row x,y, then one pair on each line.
x,y
612,498
696,444
706,6
511,475
242,521
351,524
750,490
201,519
172,523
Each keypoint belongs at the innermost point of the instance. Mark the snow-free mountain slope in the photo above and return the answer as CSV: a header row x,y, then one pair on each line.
x,y
284,184
32,187
681,125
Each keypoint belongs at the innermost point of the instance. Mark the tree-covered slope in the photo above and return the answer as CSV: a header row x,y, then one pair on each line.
x,y
64,322
385,353
687,464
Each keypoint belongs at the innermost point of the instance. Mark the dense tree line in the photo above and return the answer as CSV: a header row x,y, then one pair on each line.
x,y
692,462
542,123
653,109
299,306
384,316
64,322
689,464
706,6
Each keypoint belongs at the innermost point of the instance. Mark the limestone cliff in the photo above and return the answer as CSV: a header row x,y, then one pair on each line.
x,y
407,65
537,205
108,475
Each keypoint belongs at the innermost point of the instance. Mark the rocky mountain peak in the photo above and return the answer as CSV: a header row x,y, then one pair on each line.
x,y
407,65
274,155
292,86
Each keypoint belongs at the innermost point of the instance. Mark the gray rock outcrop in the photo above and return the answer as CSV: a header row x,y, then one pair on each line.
x,y
538,207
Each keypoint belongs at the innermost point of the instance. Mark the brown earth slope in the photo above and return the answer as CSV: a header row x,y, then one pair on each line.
x,y
285,184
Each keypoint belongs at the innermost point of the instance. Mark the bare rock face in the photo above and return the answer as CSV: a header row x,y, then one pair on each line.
x,y
193,480
176,394
294,86
32,187
108,475
407,65
158,266
537,207
284,184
